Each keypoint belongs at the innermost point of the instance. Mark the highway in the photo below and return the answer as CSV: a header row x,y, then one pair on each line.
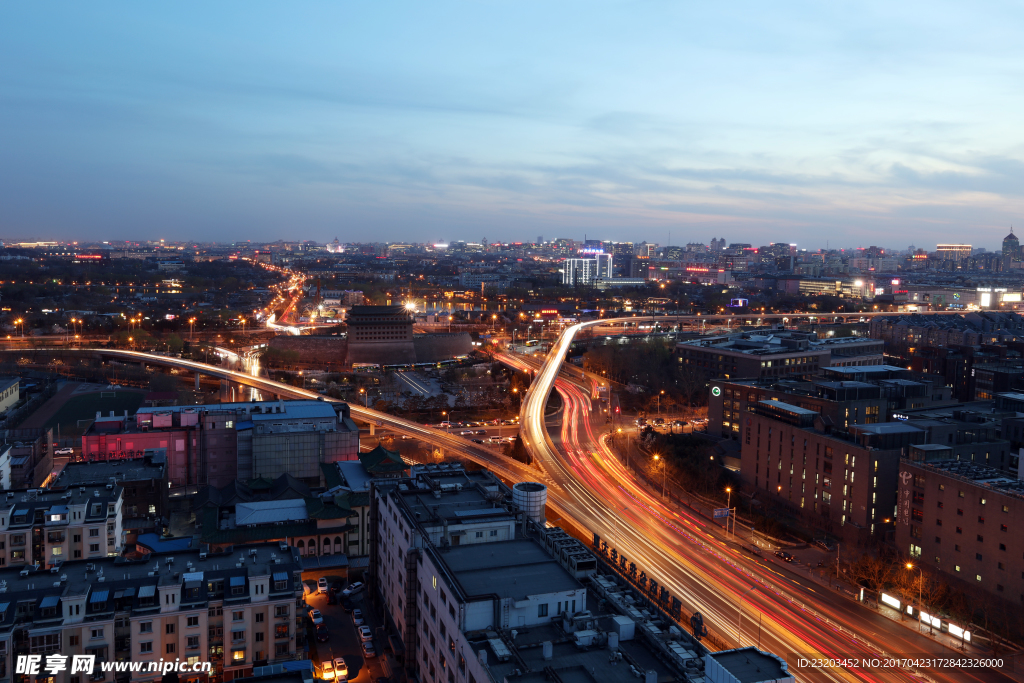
x,y
689,556
680,551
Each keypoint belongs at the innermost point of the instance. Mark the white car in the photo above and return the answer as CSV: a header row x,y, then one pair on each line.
x,y
315,615
321,585
365,633
327,672
357,617
64,451
340,668
352,589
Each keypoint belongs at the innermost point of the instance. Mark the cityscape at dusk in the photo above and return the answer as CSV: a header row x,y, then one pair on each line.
x,y
493,343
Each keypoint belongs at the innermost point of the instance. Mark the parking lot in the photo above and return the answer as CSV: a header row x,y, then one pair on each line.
x,y
343,639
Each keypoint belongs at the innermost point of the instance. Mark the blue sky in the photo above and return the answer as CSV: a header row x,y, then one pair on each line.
x,y
852,123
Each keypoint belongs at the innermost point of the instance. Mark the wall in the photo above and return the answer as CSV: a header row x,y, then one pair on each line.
x,y
431,348
313,349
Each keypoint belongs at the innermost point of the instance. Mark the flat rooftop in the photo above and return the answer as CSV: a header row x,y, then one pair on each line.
x,y
788,407
983,475
749,665
516,569
573,665
101,472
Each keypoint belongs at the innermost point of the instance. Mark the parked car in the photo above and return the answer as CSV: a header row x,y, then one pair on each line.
x,y
64,451
783,555
316,617
332,598
368,650
357,617
327,672
321,585
825,545
322,634
353,589
340,667
365,633
347,605
336,587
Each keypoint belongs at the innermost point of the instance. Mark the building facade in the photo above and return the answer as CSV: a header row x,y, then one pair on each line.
x,y
236,610
380,334
956,518
217,444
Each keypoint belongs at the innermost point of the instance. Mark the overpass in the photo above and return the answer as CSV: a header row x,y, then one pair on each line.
x,y
505,467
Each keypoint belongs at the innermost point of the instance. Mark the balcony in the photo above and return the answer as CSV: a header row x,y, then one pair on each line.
x,y
55,539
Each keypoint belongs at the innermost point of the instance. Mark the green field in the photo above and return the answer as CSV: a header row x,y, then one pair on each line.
x,y
75,416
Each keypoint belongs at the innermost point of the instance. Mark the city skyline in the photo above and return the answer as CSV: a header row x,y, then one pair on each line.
x,y
636,122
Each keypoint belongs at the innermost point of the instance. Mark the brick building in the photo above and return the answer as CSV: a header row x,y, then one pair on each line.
x,y
956,517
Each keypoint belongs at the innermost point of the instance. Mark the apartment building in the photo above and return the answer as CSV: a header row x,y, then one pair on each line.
x,y
217,444
237,610
841,483
143,480
450,563
955,517
9,392
45,528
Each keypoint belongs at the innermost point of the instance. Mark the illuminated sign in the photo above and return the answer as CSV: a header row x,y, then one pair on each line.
x,y
896,282
695,269
88,256
716,391
739,303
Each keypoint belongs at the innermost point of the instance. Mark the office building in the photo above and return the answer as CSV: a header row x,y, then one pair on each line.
x,y
776,354
956,517
237,610
217,444
583,271
840,483
953,252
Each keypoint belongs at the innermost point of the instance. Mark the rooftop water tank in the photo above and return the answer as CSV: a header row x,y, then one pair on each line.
x,y
531,497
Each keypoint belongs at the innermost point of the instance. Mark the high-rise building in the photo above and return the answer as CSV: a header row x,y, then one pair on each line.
x,y
955,252
1011,247
583,271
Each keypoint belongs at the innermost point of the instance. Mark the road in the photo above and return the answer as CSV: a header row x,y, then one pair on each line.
x,y
681,551
688,556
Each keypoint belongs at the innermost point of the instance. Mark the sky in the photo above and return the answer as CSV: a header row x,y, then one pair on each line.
x,y
820,124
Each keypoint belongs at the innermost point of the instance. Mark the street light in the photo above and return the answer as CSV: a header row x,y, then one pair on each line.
x,y
664,472
739,613
920,589
728,506
366,397
192,326
659,401
21,322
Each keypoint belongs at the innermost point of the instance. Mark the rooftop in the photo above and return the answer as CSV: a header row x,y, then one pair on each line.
x,y
750,665
101,472
982,475
270,511
117,580
796,410
516,569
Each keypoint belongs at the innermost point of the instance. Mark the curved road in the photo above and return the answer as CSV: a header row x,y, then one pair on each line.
x,y
693,561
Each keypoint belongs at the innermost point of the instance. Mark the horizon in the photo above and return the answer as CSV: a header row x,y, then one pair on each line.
x,y
810,123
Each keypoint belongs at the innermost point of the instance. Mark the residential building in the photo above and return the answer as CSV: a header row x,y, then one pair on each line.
x,y
9,392
237,610
956,518
746,665
953,252
45,528
448,562
143,480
